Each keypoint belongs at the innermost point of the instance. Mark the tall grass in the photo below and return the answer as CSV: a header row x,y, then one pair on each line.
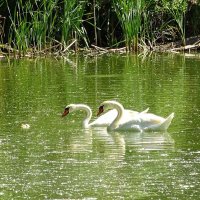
x,y
155,28
57,25
42,25
29,27
2,24
129,15
162,22
71,21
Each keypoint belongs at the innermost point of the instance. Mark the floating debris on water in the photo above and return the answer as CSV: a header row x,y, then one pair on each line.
x,y
25,126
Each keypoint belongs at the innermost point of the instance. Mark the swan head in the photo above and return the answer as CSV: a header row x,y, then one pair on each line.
x,y
105,106
68,109
101,110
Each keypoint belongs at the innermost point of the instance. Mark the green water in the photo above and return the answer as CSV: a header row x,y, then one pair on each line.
x,y
57,159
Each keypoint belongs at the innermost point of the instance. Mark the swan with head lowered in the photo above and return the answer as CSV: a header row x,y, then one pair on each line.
x,y
103,120
139,122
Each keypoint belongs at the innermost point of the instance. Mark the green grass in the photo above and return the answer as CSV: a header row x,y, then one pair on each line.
x,y
129,14
45,26
40,25
177,10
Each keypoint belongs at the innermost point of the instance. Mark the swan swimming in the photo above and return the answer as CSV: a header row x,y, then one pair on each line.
x,y
103,120
140,122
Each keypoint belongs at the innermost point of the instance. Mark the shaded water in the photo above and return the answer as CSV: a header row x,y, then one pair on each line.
x,y
57,159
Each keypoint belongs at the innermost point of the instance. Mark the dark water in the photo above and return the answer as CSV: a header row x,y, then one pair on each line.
x,y
57,159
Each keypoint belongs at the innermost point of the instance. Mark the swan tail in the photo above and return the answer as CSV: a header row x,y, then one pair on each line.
x,y
165,125
162,126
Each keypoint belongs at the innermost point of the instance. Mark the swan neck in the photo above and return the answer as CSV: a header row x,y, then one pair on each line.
x,y
88,114
120,111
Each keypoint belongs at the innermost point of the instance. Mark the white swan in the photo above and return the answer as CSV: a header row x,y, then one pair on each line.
x,y
104,120
140,122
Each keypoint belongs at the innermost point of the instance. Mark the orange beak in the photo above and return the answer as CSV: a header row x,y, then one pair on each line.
x,y
66,112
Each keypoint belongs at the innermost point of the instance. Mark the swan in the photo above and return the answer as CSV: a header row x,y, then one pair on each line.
x,y
139,122
103,120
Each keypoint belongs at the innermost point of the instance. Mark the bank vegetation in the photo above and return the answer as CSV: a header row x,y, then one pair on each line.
x,y
40,27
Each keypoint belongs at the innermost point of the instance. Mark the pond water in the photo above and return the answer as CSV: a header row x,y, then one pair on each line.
x,y
57,159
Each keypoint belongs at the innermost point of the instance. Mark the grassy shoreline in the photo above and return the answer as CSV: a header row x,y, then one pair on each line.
x,y
58,27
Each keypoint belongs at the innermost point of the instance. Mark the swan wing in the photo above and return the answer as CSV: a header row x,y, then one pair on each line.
x,y
105,119
148,119
128,115
131,115
129,127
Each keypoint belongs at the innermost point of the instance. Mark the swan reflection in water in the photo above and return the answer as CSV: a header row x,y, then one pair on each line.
x,y
149,141
114,145
97,140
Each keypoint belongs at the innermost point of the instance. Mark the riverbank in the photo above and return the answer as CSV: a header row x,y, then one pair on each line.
x,y
39,28
192,44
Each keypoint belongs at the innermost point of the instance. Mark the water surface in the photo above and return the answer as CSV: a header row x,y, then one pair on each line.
x,y
57,159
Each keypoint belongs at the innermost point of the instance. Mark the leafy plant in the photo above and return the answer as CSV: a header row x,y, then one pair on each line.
x,y
177,9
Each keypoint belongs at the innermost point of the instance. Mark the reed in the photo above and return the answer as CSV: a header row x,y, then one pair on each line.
x,y
40,24
71,22
177,10
153,28
129,15
30,27
18,36
43,26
